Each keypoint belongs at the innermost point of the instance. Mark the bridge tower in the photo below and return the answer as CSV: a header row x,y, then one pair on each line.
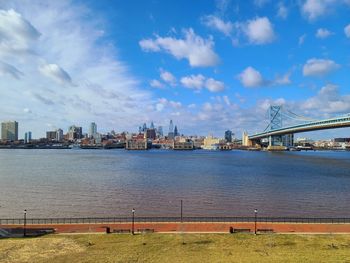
x,y
275,114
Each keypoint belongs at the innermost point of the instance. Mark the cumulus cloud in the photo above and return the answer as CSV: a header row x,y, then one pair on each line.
x,y
199,82
319,67
156,84
313,9
347,31
7,69
252,78
328,100
56,73
217,23
323,33
259,31
193,81
198,51
167,77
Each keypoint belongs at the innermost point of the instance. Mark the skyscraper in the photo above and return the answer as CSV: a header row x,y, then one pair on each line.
x,y
93,130
176,133
228,136
171,130
160,131
28,137
9,131
59,135
152,125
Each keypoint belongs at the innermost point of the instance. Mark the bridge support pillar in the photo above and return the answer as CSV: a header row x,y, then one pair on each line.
x,y
245,140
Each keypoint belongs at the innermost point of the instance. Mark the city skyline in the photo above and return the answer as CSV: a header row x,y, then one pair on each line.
x,y
218,66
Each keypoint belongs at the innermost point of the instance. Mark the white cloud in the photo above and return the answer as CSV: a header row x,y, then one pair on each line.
x,y
259,31
167,77
217,23
323,33
282,10
70,38
198,51
214,85
261,3
302,39
7,69
314,9
199,82
252,78
156,84
347,31
16,33
193,81
56,73
319,67
328,100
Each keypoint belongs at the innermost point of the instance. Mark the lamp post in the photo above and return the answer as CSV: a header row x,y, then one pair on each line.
x,y
133,221
181,212
24,222
255,219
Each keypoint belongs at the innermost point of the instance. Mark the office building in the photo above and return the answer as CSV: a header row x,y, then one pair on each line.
x,y
9,131
171,130
28,137
51,135
228,136
92,130
75,133
59,135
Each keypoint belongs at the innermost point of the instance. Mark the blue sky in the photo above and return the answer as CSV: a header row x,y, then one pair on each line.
x,y
208,65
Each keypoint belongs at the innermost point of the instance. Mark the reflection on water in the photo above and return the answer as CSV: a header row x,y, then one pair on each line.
x,y
58,183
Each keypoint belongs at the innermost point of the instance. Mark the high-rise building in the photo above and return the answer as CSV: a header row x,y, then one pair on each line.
x,y
28,137
144,127
9,131
228,136
176,132
171,130
150,134
152,125
160,131
59,135
75,133
51,135
93,130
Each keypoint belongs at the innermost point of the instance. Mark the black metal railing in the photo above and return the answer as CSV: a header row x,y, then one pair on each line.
x,y
100,220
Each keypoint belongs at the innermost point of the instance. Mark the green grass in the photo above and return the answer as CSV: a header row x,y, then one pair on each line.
x,y
170,248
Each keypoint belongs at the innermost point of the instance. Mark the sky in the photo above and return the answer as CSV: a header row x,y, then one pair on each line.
x,y
207,65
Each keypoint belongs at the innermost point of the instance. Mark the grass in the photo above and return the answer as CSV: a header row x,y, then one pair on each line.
x,y
170,248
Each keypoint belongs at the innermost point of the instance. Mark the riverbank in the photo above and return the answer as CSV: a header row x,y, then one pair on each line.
x,y
177,248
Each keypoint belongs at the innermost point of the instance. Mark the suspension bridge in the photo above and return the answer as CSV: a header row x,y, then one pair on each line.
x,y
279,136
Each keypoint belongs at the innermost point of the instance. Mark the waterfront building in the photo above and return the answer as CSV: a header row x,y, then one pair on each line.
x,y
92,130
59,135
75,133
28,137
183,144
228,136
137,144
171,130
9,131
211,143
288,140
150,134
51,135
